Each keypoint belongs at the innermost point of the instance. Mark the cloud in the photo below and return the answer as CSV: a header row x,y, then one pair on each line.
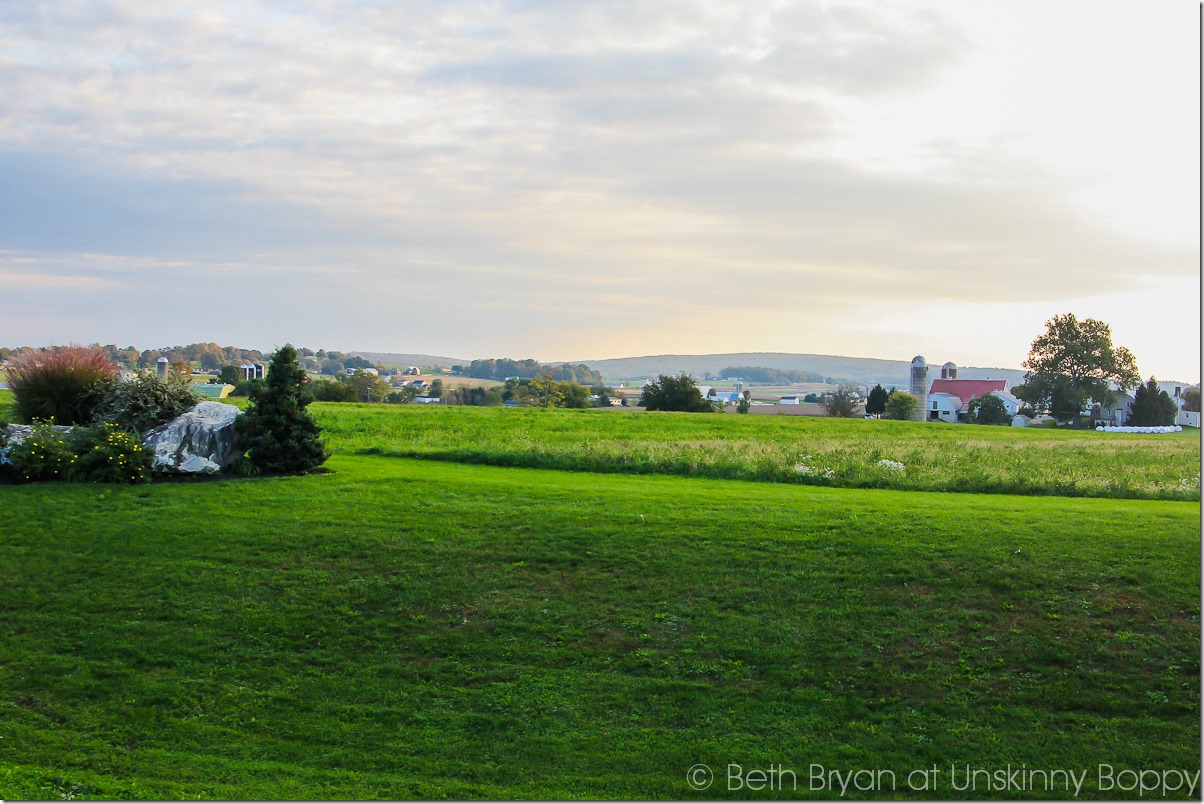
x,y
642,162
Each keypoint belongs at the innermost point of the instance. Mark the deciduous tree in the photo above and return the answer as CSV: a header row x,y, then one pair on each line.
x,y
1191,399
901,405
1082,352
679,393
842,402
988,409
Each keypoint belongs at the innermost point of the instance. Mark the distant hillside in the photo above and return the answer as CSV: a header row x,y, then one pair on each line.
x,y
859,370
396,359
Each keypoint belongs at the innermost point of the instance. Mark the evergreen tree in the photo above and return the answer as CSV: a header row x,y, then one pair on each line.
x,y
875,403
280,435
1151,407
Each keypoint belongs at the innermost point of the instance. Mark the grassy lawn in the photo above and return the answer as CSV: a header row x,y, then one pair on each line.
x,y
831,452
407,629
402,628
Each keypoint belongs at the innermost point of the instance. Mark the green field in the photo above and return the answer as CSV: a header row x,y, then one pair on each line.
x,y
788,449
401,628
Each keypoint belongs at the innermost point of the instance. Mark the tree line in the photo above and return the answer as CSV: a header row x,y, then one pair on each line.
x,y
209,357
771,376
503,368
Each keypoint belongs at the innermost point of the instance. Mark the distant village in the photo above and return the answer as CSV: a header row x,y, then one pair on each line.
x,y
942,395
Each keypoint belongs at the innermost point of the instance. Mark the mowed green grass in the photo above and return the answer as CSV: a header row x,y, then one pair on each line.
x,y
417,629
788,449
421,629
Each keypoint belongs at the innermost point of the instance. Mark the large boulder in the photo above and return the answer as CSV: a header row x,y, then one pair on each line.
x,y
201,441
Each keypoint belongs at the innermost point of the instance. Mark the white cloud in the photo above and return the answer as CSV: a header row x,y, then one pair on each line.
x,y
655,164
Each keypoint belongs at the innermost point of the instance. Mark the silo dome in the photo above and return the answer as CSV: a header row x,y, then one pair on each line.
x,y
919,360
949,365
949,371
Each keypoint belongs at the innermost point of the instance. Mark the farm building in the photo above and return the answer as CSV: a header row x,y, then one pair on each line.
x,y
213,390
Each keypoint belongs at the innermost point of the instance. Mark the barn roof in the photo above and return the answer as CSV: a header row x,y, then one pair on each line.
x,y
967,389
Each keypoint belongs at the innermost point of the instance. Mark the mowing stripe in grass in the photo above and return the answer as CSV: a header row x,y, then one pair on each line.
x,y
414,629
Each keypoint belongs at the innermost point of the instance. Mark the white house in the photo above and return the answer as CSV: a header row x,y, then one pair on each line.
x,y
1010,402
793,399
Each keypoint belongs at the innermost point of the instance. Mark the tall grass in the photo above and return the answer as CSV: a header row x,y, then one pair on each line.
x,y
64,383
800,450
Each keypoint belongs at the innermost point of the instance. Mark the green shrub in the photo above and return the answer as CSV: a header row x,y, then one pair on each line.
x,y
64,383
145,402
108,454
247,388
988,409
901,405
44,454
334,391
280,434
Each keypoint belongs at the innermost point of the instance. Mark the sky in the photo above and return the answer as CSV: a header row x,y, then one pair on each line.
x,y
602,178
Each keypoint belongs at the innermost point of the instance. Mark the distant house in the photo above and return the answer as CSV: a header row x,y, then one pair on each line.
x,y
792,399
1117,413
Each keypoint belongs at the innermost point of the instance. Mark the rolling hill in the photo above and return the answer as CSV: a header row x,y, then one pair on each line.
x,y
859,370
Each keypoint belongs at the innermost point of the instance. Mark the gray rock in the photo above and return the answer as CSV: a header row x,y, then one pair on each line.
x,y
19,432
201,441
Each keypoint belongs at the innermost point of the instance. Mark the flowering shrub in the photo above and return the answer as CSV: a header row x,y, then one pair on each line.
x,y
894,466
108,454
65,383
42,455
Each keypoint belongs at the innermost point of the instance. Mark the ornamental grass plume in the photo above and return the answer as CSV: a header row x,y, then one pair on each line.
x,y
64,383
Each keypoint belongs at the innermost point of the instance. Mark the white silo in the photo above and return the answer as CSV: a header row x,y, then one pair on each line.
x,y
949,371
919,386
